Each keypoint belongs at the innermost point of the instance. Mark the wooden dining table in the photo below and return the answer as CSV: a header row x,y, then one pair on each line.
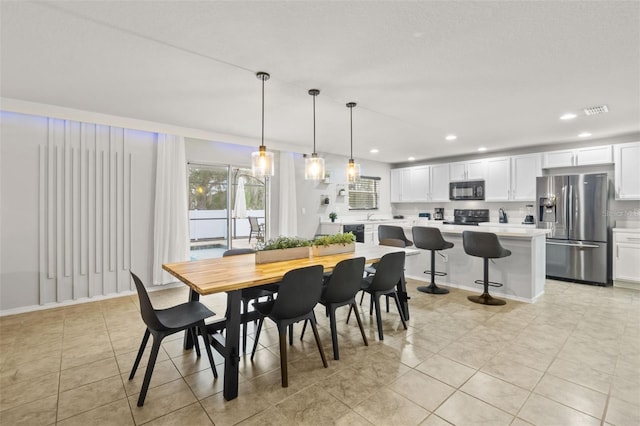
x,y
233,273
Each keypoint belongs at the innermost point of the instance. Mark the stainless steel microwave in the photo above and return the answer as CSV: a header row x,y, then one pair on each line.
x,y
471,190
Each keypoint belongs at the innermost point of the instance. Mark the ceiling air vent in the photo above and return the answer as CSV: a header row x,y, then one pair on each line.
x,y
600,109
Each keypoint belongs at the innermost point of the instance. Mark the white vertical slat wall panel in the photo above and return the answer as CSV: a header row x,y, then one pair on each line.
x,y
84,218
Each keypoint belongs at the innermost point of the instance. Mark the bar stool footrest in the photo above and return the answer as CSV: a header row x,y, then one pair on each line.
x,y
491,283
436,273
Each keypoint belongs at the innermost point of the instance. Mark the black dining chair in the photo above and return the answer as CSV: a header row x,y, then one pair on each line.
x,y
371,269
250,294
165,322
388,274
299,293
340,290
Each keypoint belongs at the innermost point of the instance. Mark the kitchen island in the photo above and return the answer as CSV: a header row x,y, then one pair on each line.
x,y
522,274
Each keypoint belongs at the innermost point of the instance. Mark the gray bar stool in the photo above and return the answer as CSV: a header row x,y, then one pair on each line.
x,y
487,246
431,239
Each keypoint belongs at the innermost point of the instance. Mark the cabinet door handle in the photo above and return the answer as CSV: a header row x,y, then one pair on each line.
x,y
617,251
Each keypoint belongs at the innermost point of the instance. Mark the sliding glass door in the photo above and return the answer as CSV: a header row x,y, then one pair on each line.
x,y
222,199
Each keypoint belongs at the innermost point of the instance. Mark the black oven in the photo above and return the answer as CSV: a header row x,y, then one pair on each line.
x,y
471,190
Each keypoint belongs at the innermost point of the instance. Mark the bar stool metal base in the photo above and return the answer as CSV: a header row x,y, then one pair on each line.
x,y
433,289
486,299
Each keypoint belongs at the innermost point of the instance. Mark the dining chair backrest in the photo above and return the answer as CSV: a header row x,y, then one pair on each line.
x,y
146,308
392,231
483,244
345,281
299,292
253,222
235,252
389,271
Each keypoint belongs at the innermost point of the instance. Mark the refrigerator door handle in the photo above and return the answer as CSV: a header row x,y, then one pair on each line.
x,y
570,210
573,244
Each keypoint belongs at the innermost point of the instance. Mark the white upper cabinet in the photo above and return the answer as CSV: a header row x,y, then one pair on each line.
x,y
467,170
497,185
439,183
396,185
524,171
416,184
512,178
627,171
578,157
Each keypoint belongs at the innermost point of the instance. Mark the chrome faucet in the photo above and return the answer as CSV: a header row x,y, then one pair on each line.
x,y
369,216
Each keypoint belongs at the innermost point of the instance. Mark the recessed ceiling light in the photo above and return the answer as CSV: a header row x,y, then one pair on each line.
x,y
451,137
374,151
411,158
584,135
568,116
482,148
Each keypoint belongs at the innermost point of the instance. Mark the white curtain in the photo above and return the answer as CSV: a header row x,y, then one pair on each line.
x,y
171,218
287,213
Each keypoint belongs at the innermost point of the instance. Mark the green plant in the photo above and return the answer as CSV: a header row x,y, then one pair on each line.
x,y
344,239
333,215
283,243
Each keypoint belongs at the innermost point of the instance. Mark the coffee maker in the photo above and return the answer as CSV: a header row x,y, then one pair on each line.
x,y
528,219
438,213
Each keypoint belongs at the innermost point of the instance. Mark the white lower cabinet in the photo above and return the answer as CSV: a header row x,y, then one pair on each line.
x,y
626,258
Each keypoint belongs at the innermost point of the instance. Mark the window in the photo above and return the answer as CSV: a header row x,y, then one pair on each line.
x,y
364,193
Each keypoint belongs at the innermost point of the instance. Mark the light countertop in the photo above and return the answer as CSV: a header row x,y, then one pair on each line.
x,y
500,231
627,230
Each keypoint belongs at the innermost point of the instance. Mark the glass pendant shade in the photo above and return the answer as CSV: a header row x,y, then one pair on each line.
x,y
353,171
262,162
314,167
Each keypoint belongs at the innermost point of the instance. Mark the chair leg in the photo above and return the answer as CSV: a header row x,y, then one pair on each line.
x,y
352,308
376,302
334,332
143,345
257,337
290,334
315,334
284,374
387,301
364,337
395,297
304,327
207,346
371,305
194,336
147,375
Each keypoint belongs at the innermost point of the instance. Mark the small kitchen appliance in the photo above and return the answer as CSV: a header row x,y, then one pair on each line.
x,y
528,219
438,213
502,216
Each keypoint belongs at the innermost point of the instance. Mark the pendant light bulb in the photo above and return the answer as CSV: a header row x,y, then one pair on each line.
x,y
262,160
314,165
353,169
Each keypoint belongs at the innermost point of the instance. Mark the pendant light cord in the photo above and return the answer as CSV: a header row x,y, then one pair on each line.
x,y
262,140
351,122
314,124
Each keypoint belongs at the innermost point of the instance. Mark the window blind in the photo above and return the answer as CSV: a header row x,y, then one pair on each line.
x,y
364,193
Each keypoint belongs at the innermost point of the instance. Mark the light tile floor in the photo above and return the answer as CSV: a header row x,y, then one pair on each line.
x,y
572,358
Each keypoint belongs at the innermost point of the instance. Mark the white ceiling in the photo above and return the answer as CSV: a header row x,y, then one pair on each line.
x,y
497,74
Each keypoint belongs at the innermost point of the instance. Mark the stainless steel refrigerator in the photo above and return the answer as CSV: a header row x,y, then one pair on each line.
x,y
575,209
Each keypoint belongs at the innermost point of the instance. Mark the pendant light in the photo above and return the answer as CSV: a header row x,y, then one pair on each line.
x,y
261,160
314,165
353,169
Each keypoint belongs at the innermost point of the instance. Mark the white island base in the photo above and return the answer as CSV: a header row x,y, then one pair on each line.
x,y
522,274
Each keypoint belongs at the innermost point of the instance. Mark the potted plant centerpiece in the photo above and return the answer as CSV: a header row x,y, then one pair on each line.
x,y
334,244
282,248
333,216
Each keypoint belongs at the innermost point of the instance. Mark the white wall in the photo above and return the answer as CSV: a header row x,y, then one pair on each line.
x,y
310,193
76,203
